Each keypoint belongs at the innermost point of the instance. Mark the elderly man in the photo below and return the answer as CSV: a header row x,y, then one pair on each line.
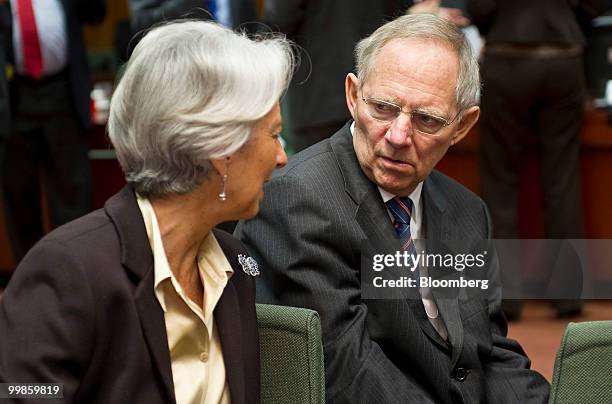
x,y
414,96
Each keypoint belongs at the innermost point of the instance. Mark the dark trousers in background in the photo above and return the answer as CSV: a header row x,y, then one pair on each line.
x,y
46,137
532,102
537,102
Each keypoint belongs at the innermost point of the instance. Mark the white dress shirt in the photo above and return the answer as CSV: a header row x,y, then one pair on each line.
x,y
418,235
53,38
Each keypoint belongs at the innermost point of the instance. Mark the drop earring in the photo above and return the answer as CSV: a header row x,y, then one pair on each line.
x,y
222,194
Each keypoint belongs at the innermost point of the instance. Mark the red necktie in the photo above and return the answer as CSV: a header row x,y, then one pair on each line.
x,y
32,57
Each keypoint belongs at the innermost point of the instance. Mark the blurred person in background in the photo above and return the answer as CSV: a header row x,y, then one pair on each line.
x,y
46,96
327,31
231,13
5,107
533,94
142,301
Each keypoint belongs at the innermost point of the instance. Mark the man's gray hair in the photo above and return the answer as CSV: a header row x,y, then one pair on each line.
x,y
424,26
192,91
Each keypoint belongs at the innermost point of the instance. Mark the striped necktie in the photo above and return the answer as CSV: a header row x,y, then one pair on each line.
x,y
401,209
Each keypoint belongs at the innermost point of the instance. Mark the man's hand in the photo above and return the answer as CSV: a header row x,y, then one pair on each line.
x,y
454,15
424,7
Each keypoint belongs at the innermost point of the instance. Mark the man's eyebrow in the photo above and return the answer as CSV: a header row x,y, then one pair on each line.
x,y
384,99
429,111
425,110
398,103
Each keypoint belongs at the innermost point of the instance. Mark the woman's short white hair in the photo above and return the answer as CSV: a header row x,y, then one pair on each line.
x,y
425,26
192,91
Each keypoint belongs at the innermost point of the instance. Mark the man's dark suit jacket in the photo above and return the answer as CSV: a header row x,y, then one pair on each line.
x,y
327,32
307,239
77,12
81,310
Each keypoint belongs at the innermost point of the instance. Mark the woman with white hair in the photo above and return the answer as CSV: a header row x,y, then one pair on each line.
x,y
143,301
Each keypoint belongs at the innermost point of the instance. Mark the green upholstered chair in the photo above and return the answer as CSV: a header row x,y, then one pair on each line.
x,y
292,369
583,367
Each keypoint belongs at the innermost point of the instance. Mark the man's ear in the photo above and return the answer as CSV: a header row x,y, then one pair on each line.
x,y
468,119
351,89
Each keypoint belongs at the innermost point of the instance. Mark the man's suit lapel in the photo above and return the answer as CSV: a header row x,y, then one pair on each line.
x,y
437,228
372,217
370,212
137,258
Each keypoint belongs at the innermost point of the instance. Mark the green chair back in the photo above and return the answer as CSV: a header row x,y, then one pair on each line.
x,y
583,367
291,349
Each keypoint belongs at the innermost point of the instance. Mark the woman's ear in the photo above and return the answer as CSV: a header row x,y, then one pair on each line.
x,y
221,165
468,119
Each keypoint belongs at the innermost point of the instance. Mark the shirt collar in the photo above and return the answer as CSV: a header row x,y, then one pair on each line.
x,y
161,267
219,266
215,265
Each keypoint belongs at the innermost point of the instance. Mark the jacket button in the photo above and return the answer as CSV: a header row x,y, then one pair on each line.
x,y
460,374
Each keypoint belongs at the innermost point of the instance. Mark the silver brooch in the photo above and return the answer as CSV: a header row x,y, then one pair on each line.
x,y
249,265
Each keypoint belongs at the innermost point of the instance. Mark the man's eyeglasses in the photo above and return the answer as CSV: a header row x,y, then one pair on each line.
x,y
423,122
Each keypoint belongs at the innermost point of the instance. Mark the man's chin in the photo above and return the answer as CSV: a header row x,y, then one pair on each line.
x,y
396,186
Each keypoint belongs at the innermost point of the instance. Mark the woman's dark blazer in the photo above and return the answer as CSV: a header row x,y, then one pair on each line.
x,y
80,310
